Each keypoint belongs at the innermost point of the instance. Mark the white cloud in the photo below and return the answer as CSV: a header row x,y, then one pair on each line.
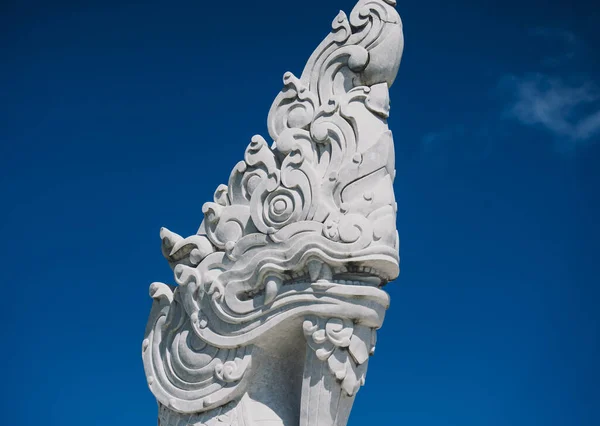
x,y
558,99
568,110
589,126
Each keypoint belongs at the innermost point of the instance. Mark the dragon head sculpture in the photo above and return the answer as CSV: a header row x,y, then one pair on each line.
x,y
304,231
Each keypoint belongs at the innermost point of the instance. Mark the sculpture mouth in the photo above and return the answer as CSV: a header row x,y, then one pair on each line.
x,y
357,276
347,275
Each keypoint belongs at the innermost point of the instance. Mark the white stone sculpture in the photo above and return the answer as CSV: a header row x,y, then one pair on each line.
x,y
278,298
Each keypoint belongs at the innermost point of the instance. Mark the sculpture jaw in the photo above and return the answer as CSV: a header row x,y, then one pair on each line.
x,y
274,275
338,322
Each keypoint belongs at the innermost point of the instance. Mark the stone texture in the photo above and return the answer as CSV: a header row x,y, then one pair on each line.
x,y
278,295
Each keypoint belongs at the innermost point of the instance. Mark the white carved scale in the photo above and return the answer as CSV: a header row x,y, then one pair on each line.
x,y
279,293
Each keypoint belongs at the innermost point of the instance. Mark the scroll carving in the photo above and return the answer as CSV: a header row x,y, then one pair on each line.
x,y
345,348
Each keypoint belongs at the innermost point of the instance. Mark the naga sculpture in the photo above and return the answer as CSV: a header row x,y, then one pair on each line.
x,y
279,295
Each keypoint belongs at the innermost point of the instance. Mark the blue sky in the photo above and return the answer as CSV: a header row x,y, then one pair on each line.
x,y
119,118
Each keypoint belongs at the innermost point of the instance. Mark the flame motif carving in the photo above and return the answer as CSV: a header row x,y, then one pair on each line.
x,y
304,229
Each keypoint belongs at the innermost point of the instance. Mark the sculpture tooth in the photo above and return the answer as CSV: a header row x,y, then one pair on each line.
x,y
272,289
314,269
326,273
372,280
